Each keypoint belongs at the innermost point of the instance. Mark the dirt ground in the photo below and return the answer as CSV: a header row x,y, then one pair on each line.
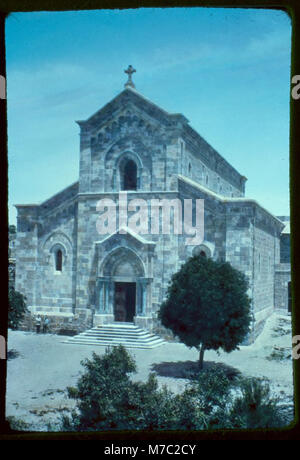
x,y
42,366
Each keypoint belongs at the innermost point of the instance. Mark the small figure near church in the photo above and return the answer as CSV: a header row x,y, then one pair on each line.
x,y
45,324
38,322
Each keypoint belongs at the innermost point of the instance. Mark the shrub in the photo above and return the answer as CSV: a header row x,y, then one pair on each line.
x,y
16,308
255,407
17,424
107,399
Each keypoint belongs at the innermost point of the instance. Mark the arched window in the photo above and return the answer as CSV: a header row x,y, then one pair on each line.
x,y
129,175
58,260
202,251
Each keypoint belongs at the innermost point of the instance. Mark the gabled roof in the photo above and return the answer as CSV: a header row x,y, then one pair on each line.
x,y
287,228
127,96
225,199
196,143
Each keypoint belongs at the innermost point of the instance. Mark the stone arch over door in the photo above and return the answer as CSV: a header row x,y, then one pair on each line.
x,y
122,273
123,263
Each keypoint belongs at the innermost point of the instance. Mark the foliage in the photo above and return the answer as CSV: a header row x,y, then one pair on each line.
x,y
107,399
12,354
279,354
17,424
207,305
16,308
255,408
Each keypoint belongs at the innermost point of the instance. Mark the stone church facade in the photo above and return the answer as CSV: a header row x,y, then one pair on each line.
x,y
79,278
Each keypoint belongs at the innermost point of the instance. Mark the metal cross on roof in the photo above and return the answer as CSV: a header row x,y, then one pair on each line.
x,y
129,72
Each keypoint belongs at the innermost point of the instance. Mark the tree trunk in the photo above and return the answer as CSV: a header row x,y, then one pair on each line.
x,y
202,349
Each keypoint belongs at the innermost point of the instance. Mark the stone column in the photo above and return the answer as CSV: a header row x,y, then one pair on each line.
x,y
141,296
142,318
105,291
138,297
100,292
110,297
105,295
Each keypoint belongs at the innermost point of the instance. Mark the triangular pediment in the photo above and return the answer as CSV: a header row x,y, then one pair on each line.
x,y
130,99
126,233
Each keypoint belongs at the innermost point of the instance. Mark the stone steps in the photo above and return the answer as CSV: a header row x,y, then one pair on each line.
x,y
126,334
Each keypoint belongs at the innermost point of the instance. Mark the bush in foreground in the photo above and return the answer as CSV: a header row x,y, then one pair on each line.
x,y
16,308
107,399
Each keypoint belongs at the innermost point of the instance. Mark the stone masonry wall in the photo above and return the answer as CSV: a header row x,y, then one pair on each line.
x,y
27,253
282,279
199,172
164,262
239,240
214,222
264,268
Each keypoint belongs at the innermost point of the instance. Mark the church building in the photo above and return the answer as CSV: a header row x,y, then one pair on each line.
x,y
131,148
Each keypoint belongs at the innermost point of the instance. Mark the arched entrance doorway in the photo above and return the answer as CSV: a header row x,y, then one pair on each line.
x,y
123,286
124,301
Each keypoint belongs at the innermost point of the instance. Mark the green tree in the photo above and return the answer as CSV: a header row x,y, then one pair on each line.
x,y
16,308
207,306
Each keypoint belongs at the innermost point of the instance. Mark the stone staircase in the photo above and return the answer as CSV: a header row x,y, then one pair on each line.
x,y
126,334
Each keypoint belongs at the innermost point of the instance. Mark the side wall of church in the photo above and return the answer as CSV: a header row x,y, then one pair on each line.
x,y
282,280
239,240
214,223
252,246
42,231
27,252
198,171
264,267
56,288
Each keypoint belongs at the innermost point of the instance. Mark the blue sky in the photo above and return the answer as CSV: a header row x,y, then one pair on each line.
x,y
226,70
